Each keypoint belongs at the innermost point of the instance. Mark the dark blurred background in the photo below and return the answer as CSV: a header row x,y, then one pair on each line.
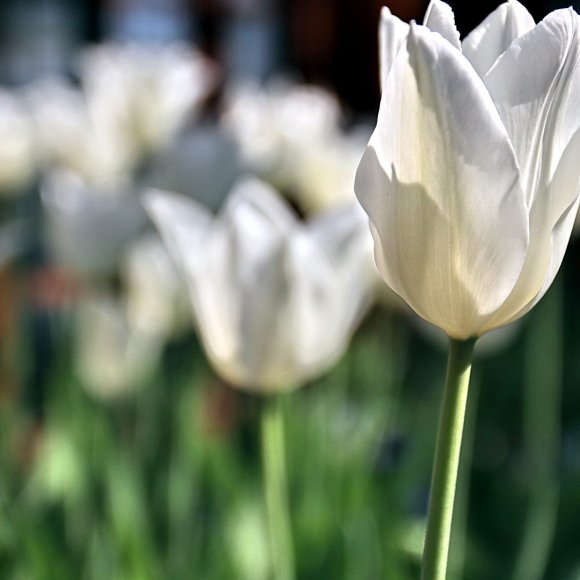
x,y
332,42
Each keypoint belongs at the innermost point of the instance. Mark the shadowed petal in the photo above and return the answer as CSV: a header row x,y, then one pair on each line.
x,y
550,229
494,35
534,86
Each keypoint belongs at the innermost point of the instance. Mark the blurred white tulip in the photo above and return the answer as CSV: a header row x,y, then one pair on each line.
x,y
263,118
290,134
113,358
71,137
155,293
87,227
275,300
18,155
304,112
148,92
324,171
248,115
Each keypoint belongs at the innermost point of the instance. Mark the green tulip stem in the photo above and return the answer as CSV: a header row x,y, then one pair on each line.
x,y
274,473
444,480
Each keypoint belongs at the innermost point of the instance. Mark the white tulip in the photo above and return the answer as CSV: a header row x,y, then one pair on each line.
x,y
275,299
471,177
290,134
147,92
156,296
74,138
282,114
324,172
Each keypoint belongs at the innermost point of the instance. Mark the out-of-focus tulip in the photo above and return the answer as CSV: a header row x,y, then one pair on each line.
x,y
72,138
88,227
471,177
265,119
324,171
290,135
113,358
149,92
275,299
156,295
17,148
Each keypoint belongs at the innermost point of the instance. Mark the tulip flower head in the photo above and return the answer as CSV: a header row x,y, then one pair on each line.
x,y
275,299
471,177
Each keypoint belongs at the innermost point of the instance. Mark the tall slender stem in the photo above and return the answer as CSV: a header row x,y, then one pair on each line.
x,y
447,453
274,470
457,555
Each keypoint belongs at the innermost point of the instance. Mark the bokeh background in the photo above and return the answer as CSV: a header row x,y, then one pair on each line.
x,y
122,453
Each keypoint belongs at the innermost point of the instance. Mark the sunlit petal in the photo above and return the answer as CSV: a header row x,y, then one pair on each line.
x,y
440,18
392,35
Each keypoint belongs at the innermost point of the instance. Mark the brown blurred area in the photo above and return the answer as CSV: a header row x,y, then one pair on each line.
x,y
10,292
334,42
328,42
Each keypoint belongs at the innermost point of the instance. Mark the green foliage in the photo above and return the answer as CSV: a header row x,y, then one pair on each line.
x,y
167,483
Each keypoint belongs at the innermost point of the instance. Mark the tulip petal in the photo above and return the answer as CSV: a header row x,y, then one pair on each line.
x,y
392,34
183,224
533,85
289,277
440,18
344,238
253,199
321,292
551,227
336,231
257,228
188,231
566,185
493,36
448,215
